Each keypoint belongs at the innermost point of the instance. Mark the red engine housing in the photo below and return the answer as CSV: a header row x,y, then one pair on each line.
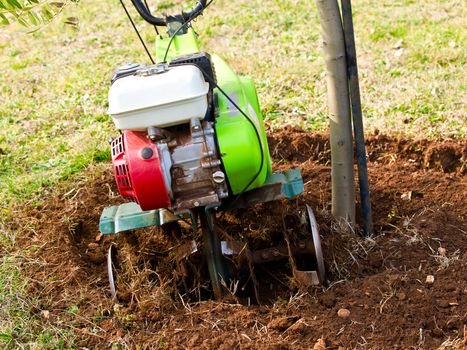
x,y
138,170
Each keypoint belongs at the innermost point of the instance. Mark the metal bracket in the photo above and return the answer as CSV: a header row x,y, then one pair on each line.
x,y
286,184
129,216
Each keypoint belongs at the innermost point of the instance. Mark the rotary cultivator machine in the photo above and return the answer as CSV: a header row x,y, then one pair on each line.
x,y
192,146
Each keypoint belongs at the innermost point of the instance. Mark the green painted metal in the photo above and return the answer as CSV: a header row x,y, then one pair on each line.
x,y
291,181
286,184
129,216
217,264
182,44
238,143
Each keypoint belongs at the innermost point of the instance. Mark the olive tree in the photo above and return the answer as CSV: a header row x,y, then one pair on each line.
x,y
33,14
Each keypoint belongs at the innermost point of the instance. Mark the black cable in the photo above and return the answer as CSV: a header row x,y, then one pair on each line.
x,y
181,27
155,27
137,32
172,38
257,136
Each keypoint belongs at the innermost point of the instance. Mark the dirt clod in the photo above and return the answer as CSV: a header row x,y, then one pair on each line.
x,y
282,323
442,251
299,327
320,345
442,303
343,313
328,299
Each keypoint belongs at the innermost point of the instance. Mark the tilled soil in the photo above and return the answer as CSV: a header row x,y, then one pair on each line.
x,y
419,202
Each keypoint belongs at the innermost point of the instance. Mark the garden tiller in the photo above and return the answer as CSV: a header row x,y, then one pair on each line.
x,y
192,145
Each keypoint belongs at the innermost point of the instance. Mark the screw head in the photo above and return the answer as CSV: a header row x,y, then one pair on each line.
x,y
147,153
218,177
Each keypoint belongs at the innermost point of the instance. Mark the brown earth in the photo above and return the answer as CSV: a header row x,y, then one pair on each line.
x,y
419,201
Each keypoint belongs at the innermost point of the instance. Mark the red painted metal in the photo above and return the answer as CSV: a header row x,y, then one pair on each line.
x,y
122,176
139,178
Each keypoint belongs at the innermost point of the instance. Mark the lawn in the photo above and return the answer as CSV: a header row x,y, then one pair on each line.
x,y
53,123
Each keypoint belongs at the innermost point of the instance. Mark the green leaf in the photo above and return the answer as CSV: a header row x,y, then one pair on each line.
x,y
14,4
33,18
48,15
33,13
22,21
4,20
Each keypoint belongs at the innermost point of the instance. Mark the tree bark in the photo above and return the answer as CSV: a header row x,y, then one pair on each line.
x,y
342,173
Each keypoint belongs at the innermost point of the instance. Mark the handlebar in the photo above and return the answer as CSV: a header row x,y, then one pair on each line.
x,y
157,21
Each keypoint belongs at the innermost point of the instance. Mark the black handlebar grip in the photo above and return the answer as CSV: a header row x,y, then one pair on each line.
x,y
144,12
148,17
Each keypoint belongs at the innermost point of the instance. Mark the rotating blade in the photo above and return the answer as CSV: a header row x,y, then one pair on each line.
x,y
217,266
317,245
110,253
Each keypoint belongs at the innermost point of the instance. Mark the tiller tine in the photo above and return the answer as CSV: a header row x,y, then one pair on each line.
x,y
110,270
240,254
317,245
185,250
305,256
231,262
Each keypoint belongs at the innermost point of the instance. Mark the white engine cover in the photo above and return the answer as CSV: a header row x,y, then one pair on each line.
x,y
172,97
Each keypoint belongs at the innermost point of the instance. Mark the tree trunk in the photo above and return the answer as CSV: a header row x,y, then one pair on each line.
x,y
342,173
357,119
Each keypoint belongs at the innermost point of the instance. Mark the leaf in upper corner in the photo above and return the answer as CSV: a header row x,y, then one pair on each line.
x,y
14,4
4,20
47,14
73,21
33,18
57,4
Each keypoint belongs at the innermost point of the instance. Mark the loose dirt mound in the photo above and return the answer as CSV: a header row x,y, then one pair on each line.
x,y
419,191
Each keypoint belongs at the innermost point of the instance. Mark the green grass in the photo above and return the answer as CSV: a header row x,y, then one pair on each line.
x,y
21,326
54,82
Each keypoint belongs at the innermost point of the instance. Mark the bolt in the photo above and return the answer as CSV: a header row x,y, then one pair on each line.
x,y
276,253
218,177
196,204
147,153
264,255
